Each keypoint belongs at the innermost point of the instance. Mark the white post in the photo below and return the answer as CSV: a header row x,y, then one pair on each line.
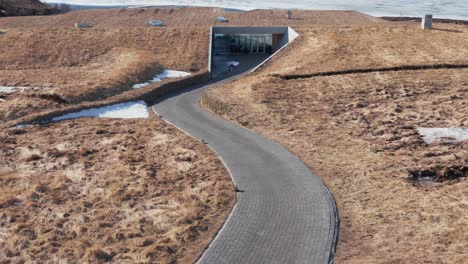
x,y
289,14
426,22
210,49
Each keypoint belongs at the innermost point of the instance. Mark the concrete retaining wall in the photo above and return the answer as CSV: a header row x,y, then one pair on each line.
x,y
250,30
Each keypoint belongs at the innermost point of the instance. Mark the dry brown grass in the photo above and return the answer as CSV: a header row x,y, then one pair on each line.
x,y
73,66
191,17
111,75
120,50
33,48
364,155
95,190
321,49
358,134
90,65
138,191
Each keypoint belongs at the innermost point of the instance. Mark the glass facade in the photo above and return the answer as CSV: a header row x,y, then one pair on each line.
x,y
244,43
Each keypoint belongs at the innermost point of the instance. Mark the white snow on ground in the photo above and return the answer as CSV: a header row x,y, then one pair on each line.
x,y
232,63
22,126
11,89
164,75
431,135
136,109
15,89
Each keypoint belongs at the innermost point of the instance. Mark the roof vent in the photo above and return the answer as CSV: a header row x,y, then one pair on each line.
x,y
155,23
82,25
222,19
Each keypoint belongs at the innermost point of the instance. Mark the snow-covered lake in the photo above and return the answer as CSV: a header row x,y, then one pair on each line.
x,y
456,9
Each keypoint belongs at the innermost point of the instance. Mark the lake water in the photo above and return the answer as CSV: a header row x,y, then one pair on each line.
x,y
456,9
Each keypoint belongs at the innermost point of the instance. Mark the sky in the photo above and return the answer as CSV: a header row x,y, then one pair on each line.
x,y
457,9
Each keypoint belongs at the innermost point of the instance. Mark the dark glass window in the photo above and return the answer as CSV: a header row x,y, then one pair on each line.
x,y
249,43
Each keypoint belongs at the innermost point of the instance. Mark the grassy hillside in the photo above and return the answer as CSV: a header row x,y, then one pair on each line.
x,y
24,8
192,17
400,199
94,190
119,50
89,65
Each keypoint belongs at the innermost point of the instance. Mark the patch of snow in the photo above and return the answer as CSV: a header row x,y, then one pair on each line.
x,y
2,100
136,109
22,126
14,89
11,89
232,63
164,75
431,135
222,19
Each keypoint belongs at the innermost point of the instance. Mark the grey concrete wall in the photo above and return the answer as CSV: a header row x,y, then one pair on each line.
x,y
250,30
275,42
292,34
283,41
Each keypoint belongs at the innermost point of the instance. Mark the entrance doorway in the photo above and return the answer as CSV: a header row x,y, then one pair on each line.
x,y
237,49
242,44
258,44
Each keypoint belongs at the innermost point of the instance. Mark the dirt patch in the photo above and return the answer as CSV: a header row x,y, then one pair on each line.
x,y
97,190
51,97
438,174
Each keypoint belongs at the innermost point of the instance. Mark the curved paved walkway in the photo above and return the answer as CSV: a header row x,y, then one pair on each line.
x,y
284,214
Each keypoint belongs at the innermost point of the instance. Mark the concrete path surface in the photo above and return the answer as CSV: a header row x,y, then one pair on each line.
x,y
284,214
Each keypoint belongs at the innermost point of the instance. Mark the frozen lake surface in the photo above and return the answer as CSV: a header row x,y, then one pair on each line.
x,y
456,9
